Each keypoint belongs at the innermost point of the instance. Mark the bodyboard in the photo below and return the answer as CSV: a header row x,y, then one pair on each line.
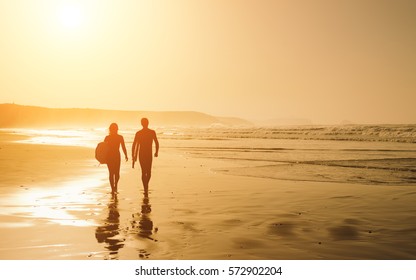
x,y
101,152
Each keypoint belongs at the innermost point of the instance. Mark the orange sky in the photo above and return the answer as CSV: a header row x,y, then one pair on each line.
x,y
326,61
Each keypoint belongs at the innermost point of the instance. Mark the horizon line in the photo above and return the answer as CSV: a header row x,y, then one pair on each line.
x,y
308,122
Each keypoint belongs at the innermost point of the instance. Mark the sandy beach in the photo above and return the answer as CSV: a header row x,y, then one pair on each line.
x,y
193,211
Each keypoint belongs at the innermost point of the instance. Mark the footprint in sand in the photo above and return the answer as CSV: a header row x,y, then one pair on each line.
x,y
344,232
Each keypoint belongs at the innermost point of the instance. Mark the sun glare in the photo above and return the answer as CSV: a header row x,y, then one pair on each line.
x,y
70,16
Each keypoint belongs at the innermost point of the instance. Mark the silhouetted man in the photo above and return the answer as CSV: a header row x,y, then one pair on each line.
x,y
143,142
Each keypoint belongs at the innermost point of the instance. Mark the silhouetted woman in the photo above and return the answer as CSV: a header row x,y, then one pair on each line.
x,y
114,140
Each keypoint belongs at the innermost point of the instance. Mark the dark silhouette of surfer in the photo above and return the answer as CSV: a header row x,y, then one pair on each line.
x,y
142,145
114,141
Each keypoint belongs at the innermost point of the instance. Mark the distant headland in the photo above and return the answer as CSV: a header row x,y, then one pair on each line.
x,y
14,115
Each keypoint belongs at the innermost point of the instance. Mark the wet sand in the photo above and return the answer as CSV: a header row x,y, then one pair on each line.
x,y
195,212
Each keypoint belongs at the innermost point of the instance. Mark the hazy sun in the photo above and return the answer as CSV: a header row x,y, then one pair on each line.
x,y
70,15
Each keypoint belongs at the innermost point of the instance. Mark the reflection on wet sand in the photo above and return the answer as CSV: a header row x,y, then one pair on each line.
x,y
142,225
109,232
115,234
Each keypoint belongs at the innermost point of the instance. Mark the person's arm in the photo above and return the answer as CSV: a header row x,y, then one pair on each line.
x,y
157,144
123,146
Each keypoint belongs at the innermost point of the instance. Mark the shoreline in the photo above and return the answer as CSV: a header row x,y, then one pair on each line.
x,y
194,212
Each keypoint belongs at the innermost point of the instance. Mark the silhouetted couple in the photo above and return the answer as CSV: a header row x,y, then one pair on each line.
x,y
142,146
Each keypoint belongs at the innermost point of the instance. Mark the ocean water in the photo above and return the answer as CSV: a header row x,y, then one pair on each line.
x,y
364,154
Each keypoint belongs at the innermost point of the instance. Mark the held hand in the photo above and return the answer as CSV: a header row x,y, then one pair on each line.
x,y
156,154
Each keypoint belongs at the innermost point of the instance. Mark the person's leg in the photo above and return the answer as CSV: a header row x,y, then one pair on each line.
x,y
112,175
116,179
148,169
116,174
145,164
145,174
148,175
145,183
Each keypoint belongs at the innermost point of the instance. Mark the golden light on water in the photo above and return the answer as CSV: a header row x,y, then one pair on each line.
x,y
70,137
55,204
